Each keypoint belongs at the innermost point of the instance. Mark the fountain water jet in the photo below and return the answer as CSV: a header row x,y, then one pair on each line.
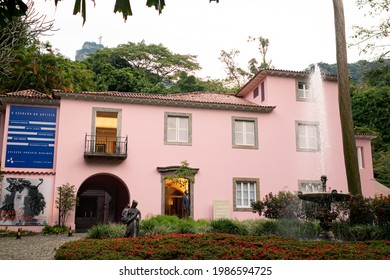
x,y
319,112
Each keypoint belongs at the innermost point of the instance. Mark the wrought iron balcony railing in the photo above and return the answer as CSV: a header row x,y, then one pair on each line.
x,y
105,147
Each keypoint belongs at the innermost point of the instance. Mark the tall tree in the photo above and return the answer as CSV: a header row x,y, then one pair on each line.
x,y
18,33
263,44
10,9
138,67
236,76
349,143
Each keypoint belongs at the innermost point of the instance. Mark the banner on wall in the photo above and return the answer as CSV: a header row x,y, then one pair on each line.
x,y
24,201
31,137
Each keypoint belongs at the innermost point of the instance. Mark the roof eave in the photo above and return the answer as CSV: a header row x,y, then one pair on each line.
x,y
278,73
28,100
161,102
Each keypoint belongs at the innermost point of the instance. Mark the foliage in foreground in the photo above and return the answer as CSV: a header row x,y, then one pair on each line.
x,y
294,228
215,246
12,233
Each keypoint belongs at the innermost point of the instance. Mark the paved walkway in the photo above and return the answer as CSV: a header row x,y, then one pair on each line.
x,y
37,247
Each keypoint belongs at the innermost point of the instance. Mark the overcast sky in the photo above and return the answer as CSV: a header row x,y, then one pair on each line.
x,y
300,32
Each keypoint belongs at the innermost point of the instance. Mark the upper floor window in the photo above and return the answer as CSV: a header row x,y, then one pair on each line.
x,y
244,132
178,129
255,92
307,134
106,129
244,192
262,92
303,91
360,157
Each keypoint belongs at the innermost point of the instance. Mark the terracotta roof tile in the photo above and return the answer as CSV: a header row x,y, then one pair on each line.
x,y
256,79
28,93
188,98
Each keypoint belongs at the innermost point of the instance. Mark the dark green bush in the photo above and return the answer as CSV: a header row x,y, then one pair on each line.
x,y
113,230
361,211
295,228
12,233
56,229
283,205
187,226
227,226
381,208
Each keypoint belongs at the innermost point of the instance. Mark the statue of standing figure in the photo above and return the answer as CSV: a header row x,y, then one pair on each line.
x,y
131,217
186,205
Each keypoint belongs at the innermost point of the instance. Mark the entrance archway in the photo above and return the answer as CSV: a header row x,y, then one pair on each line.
x,y
172,190
102,198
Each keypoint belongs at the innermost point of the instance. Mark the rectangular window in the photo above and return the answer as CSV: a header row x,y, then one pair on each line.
x,y
307,137
262,92
178,129
255,92
360,157
245,190
244,133
303,91
307,186
106,130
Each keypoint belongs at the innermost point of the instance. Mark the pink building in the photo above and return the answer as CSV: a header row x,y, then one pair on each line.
x,y
117,147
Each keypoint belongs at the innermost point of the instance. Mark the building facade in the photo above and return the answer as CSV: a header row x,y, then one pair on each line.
x,y
116,147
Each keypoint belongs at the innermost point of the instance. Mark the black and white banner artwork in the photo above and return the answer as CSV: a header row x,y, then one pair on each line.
x,y
25,201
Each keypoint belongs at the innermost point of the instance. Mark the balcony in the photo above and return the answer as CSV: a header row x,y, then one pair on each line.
x,y
98,147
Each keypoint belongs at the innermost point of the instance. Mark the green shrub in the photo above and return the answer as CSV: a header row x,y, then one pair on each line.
x,y
187,226
203,226
268,227
112,230
381,207
159,224
283,205
294,228
227,226
361,210
55,229
12,233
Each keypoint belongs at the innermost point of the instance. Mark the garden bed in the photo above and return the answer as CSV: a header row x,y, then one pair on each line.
x,y
217,246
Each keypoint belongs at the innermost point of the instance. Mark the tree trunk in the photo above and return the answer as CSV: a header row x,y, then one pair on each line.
x,y
348,134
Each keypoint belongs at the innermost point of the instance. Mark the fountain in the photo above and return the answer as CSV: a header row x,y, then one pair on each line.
x,y
324,200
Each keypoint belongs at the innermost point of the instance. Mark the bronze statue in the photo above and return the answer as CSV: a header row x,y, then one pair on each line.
x,y
186,205
131,217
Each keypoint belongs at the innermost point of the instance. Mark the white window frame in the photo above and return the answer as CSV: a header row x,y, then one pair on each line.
x,y
246,133
178,129
245,190
304,93
309,140
360,157
308,186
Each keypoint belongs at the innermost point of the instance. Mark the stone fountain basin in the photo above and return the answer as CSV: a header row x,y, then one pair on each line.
x,y
333,196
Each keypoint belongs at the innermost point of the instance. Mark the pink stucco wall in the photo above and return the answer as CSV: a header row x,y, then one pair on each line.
x,y
366,170
276,164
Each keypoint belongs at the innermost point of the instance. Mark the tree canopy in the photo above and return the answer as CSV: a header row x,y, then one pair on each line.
x,y
18,8
371,39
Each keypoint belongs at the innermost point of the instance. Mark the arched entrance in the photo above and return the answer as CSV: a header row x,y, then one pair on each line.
x,y
102,198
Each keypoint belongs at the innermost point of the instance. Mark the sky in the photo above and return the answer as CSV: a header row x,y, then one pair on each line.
x,y
300,32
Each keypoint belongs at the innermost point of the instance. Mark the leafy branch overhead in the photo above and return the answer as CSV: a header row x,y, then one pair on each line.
x,y
17,8
183,172
121,6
